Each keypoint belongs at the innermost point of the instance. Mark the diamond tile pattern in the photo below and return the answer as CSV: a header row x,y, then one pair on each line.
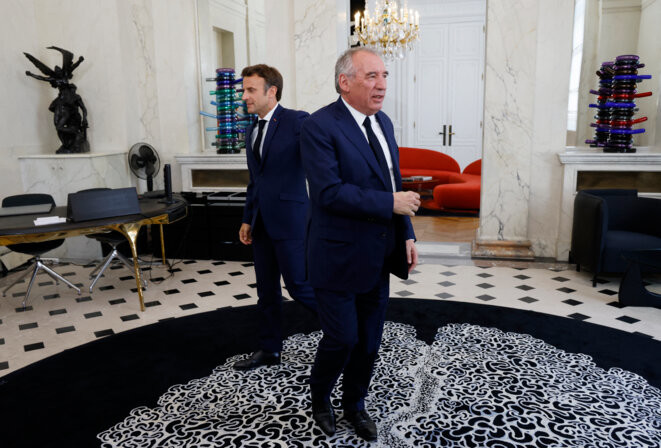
x,y
56,319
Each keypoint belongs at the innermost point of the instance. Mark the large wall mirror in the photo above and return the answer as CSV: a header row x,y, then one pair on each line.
x,y
223,42
603,30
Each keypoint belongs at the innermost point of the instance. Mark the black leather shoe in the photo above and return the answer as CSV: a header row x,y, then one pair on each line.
x,y
323,415
362,424
257,359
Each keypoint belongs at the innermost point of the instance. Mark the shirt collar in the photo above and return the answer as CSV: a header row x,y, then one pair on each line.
x,y
358,116
268,116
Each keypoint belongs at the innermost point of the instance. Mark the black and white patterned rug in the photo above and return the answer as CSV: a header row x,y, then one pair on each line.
x,y
473,387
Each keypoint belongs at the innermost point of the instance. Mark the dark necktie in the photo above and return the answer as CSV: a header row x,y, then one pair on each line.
x,y
378,152
258,141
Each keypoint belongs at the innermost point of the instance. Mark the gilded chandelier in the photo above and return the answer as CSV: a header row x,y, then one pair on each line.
x,y
390,30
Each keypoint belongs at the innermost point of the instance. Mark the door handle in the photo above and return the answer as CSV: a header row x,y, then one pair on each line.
x,y
450,134
443,134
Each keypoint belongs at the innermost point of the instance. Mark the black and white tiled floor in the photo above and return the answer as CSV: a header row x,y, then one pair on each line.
x,y
56,318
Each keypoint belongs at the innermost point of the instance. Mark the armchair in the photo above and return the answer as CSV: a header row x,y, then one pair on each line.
x,y
608,222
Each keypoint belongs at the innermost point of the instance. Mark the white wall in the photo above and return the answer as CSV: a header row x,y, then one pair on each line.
x,y
138,80
649,49
526,89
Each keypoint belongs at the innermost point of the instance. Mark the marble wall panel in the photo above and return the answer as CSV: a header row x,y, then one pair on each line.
x,y
549,123
508,118
316,51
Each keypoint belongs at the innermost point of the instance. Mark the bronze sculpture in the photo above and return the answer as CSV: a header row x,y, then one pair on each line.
x,y
70,125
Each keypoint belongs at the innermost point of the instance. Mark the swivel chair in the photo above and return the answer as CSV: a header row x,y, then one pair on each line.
x,y
34,249
608,222
114,239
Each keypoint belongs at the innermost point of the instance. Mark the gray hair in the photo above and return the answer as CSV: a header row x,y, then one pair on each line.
x,y
344,64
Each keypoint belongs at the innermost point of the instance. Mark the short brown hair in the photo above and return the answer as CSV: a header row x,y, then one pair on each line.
x,y
271,76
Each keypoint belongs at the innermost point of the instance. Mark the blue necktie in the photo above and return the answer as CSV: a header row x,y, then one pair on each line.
x,y
378,152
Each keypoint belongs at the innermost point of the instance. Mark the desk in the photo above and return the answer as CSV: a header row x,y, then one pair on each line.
x,y
21,229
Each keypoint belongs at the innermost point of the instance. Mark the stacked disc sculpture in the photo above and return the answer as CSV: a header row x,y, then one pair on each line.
x,y
618,81
231,117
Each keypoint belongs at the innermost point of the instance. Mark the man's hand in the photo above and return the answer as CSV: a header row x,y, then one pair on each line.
x,y
411,254
245,234
406,202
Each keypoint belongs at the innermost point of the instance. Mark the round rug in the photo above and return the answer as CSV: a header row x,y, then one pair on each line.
x,y
472,387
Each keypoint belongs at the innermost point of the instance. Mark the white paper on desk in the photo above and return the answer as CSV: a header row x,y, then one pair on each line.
x,y
44,220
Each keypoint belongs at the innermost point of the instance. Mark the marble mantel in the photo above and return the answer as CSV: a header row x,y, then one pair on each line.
x,y
578,161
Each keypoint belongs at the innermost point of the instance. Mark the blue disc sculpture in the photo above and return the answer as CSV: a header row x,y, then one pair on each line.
x,y
616,104
231,124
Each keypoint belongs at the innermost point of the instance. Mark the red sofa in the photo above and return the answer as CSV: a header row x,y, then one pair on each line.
x,y
462,192
426,162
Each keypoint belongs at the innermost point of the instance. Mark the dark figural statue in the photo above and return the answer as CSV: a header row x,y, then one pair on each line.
x,y
71,126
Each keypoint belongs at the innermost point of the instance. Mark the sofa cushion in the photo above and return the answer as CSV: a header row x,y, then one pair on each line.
x,y
474,168
618,241
458,196
426,159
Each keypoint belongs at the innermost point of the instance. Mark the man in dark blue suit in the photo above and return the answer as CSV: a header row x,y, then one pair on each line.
x,y
359,233
276,207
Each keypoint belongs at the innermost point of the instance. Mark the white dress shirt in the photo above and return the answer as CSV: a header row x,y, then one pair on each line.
x,y
360,118
255,130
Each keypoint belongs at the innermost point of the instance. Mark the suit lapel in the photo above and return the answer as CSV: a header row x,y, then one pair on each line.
x,y
273,125
392,145
249,154
355,135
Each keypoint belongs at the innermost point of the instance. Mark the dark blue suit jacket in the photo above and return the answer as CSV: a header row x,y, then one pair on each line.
x,y
277,189
350,206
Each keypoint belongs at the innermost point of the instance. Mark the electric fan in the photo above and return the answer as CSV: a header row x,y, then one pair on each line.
x,y
144,163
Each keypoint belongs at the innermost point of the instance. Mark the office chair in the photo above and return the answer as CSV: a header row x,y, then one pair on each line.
x,y
113,239
34,249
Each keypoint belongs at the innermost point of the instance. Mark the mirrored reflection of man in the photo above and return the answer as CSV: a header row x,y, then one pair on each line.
x,y
359,233
276,208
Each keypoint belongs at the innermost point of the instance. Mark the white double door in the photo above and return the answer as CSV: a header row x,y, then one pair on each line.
x,y
441,105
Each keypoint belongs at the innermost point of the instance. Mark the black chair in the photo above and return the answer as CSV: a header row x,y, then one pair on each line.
x,y
113,239
608,222
34,249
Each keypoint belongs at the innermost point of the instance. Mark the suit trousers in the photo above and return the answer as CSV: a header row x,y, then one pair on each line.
x,y
352,327
273,259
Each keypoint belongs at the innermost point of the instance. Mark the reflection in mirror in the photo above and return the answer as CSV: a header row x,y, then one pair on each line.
x,y
223,43
603,30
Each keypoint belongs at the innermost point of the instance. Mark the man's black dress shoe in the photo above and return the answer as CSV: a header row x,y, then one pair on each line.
x,y
362,424
323,415
259,358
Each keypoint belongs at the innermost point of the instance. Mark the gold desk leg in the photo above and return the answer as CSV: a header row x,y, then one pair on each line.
x,y
130,231
162,245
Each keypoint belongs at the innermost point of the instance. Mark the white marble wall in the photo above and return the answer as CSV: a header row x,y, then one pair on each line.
x,y
315,49
508,119
138,80
554,34
61,174
528,59
142,71
280,47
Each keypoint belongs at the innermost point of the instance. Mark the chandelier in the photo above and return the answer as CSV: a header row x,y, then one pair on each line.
x,y
390,30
